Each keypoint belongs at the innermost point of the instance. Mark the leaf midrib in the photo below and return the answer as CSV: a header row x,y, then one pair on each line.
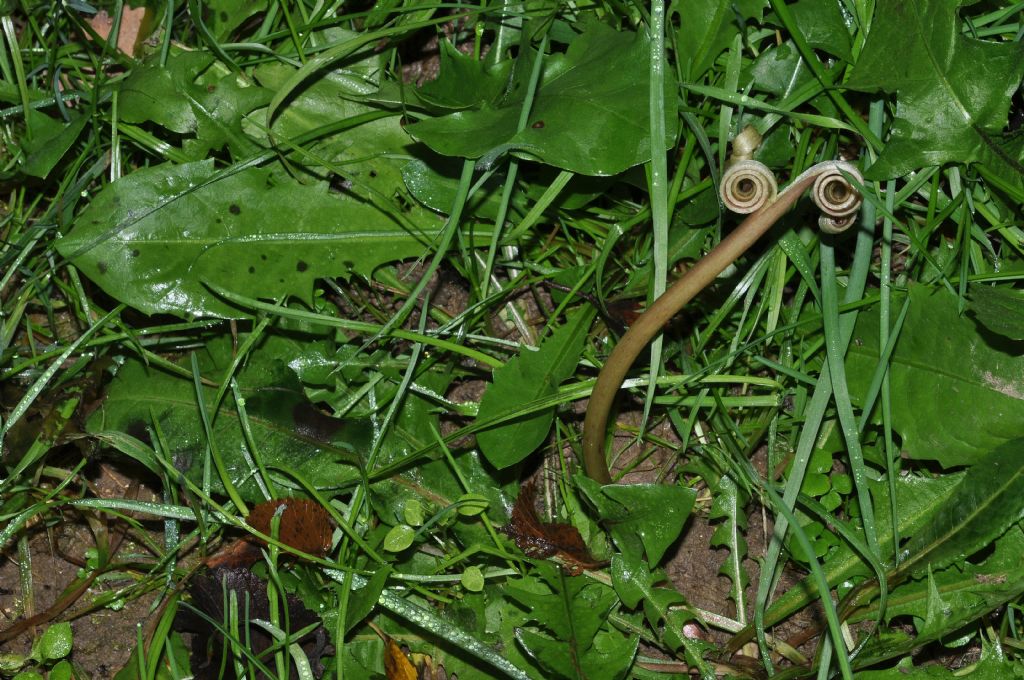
x,y
965,521
932,58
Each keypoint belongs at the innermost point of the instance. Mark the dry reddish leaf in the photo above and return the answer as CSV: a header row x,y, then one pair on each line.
x,y
546,539
240,553
305,525
135,23
396,664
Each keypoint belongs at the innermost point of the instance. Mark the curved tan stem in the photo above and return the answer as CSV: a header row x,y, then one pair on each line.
x,y
650,323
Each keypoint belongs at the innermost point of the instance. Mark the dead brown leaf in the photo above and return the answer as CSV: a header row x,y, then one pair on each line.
x,y
135,27
546,539
396,664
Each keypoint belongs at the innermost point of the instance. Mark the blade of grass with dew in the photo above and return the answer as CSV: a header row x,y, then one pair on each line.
x,y
513,165
357,326
444,244
885,285
882,370
211,441
43,380
362,492
251,452
835,351
816,407
818,575
659,182
813,415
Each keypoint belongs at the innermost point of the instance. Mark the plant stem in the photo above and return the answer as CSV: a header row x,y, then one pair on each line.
x,y
650,323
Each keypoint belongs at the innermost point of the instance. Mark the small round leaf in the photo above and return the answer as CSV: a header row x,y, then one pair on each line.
x,y
842,483
62,671
472,579
815,484
399,538
55,642
412,512
472,504
28,675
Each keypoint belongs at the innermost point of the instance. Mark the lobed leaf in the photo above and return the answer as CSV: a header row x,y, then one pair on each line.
x,y
641,517
960,395
979,510
155,237
953,91
585,118
191,94
999,310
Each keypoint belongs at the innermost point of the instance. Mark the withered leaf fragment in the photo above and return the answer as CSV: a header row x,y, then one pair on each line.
x,y
304,525
547,539
396,664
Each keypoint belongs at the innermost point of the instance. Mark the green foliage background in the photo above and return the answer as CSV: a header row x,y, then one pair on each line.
x,y
230,257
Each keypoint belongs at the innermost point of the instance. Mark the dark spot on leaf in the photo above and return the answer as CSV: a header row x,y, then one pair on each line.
x,y
301,266
234,209
137,429
373,173
314,425
223,16
218,220
252,270
135,252
263,257
211,88
116,200
538,125
182,460
102,266
280,280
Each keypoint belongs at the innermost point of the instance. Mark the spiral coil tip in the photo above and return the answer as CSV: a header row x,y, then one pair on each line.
x,y
836,197
748,186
